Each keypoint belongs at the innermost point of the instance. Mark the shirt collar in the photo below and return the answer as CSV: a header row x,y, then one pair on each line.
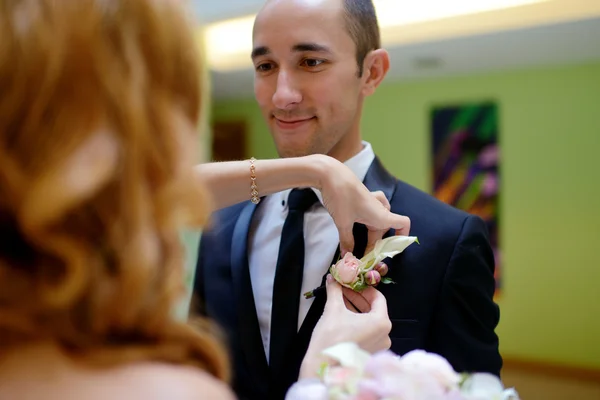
x,y
359,164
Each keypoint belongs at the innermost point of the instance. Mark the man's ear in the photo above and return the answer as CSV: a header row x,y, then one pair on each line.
x,y
376,66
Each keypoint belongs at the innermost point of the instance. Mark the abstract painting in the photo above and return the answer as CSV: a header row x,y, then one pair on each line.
x,y
466,163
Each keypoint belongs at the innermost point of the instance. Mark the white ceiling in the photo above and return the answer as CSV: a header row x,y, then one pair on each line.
x,y
564,43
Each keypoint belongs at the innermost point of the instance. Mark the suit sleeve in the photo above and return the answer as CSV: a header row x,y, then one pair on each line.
x,y
198,289
464,325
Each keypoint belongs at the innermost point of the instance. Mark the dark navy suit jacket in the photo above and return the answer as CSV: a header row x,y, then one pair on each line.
x,y
442,300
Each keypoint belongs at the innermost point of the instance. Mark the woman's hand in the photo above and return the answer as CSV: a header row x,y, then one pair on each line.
x,y
369,330
348,201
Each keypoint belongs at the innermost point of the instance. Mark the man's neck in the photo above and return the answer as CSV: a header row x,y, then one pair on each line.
x,y
346,151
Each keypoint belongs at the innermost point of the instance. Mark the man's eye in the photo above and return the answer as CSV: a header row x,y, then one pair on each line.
x,y
310,62
264,67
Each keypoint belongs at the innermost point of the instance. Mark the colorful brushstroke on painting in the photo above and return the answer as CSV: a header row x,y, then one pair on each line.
x,y
466,163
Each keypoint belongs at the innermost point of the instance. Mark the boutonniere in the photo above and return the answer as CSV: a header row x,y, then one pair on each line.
x,y
357,274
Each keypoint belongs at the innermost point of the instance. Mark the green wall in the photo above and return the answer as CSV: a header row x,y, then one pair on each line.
x,y
191,238
550,211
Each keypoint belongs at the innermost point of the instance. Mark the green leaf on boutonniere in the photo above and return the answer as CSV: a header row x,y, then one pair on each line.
x,y
386,280
359,285
367,266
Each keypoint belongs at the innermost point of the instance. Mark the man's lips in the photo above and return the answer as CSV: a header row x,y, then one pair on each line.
x,y
292,123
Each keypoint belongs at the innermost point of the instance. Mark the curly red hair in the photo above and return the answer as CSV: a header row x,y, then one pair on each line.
x,y
99,104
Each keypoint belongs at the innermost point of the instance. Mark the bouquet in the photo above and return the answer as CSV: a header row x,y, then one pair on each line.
x,y
353,374
357,274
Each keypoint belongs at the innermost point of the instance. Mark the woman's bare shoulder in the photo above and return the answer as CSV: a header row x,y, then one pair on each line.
x,y
145,380
162,381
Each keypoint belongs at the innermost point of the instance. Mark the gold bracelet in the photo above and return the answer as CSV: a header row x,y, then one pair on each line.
x,y
253,187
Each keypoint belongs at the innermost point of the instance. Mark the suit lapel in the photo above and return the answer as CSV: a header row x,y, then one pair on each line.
x,y
378,178
250,337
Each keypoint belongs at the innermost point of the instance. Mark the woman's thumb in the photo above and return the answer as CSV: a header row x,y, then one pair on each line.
x,y
334,292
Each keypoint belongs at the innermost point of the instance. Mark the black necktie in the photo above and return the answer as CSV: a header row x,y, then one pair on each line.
x,y
288,278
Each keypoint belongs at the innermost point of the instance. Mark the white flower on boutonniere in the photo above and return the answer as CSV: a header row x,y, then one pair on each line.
x,y
357,274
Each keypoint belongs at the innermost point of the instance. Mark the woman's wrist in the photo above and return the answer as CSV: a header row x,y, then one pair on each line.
x,y
320,169
274,175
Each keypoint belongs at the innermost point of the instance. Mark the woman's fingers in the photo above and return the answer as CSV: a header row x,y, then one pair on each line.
x,y
359,303
380,196
346,239
355,204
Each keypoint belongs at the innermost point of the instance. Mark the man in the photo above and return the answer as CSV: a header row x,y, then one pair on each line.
x,y
316,61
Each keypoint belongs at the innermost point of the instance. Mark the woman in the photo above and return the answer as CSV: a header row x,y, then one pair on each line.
x,y
99,102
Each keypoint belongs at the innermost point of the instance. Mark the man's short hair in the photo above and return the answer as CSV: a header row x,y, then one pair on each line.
x,y
361,22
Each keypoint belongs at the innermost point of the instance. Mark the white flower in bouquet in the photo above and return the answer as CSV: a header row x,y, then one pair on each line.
x,y
483,386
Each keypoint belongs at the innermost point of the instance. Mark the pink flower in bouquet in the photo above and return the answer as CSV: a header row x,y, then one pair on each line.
x,y
368,389
431,364
308,389
341,377
383,363
388,377
347,269
422,375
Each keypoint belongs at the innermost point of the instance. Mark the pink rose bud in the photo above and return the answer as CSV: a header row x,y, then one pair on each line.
x,y
348,269
372,277
382,268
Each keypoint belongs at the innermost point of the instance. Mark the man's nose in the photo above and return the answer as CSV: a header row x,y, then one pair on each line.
x,y
286,93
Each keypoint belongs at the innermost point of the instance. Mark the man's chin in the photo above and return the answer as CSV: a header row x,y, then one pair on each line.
x,y
293,145
289,153
287,149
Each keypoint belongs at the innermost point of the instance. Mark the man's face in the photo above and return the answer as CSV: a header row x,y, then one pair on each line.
x,y
306,77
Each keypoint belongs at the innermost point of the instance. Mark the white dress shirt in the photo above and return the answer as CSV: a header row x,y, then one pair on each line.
x,y
321,240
